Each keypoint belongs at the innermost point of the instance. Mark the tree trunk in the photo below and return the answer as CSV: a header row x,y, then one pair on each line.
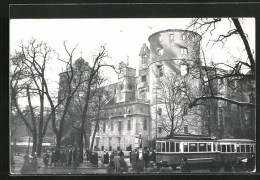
x,y
34,147
94,134
39,146
81,145
58,145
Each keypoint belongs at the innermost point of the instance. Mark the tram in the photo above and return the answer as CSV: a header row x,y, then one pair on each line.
x,y
201,151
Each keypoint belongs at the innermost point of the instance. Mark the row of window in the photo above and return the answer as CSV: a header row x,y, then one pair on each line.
x,y
183,51
184,37
203,147
119,126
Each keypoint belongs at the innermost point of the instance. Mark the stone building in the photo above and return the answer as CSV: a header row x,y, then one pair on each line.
x,y
133,114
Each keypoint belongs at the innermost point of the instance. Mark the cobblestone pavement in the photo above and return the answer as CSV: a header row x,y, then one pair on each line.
x,y
83,168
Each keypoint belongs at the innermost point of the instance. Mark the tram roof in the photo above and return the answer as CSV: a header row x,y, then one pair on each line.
x,y
187,137
236,140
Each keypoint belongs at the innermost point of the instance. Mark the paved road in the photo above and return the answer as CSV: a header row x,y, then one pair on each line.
x,y
84,168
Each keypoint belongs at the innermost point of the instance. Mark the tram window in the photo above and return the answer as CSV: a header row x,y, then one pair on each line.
x,y
228,148
223,148
238,148
167,146
202,147
172,147
232,148
163,147
247,148
193,147
177,147
185,147
242,148
219,147
251,148
209,146
214,147
158,147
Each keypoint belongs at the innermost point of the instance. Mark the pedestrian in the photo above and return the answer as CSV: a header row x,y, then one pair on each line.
x,y
166,168
95,158
67,156
185,167
146,157
153,156
46,158
70,157
87,154
123,165
34,162
102,156
62,158
26,165
134,159
120,154
117,162
140,165
112,165
53,158
106,158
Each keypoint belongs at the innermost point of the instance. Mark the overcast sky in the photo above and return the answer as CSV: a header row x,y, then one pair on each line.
x,y
123,37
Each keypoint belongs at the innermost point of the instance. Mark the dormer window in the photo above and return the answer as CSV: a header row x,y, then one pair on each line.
x,y
184,37
160,52
184,51
171,36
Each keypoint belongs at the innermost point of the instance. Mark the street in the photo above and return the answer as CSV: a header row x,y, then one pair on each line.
x,y
83,168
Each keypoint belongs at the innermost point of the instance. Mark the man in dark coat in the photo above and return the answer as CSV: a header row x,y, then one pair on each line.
x,y
121,154
146,157
106,158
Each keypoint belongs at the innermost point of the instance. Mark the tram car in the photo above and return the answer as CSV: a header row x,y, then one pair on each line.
x,y
201,151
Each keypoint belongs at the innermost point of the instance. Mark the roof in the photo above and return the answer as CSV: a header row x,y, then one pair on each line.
x,y
236,140
173,30
188,137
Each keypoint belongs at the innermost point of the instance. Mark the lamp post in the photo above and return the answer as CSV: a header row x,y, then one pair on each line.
x,y
140,145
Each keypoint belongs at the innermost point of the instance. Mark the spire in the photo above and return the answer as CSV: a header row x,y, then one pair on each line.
x,y
127,60
81,54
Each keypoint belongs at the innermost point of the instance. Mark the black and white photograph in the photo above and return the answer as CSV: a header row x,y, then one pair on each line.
x,y
132,96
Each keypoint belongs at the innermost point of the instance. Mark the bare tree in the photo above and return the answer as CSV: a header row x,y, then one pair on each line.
x,y
28,82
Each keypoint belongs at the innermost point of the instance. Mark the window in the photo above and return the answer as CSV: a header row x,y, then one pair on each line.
x,y
247,148
160,52
184,51
129,124
158,146
160,130
214,147
177,147
144,59
251,148
186,130
160,70
144,78
232,148
184,37
119,126
228,148
202,147
171,36
185,147
238,148
172,147
159,111
209,146
112,126
184,69
104,127
243,148
145,124
223,148
163,147
193,147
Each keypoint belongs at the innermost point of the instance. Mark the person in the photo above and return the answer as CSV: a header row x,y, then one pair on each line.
x,y
102,156
70,157
112,165
95,159
106,158
146,157
134,159
250,165
153,157
227,166
121,153
62,158
123,165
130,156
87,154
117,162
46,158
165,168
53,158
140,165
26,165
185,167
67,157
34,162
